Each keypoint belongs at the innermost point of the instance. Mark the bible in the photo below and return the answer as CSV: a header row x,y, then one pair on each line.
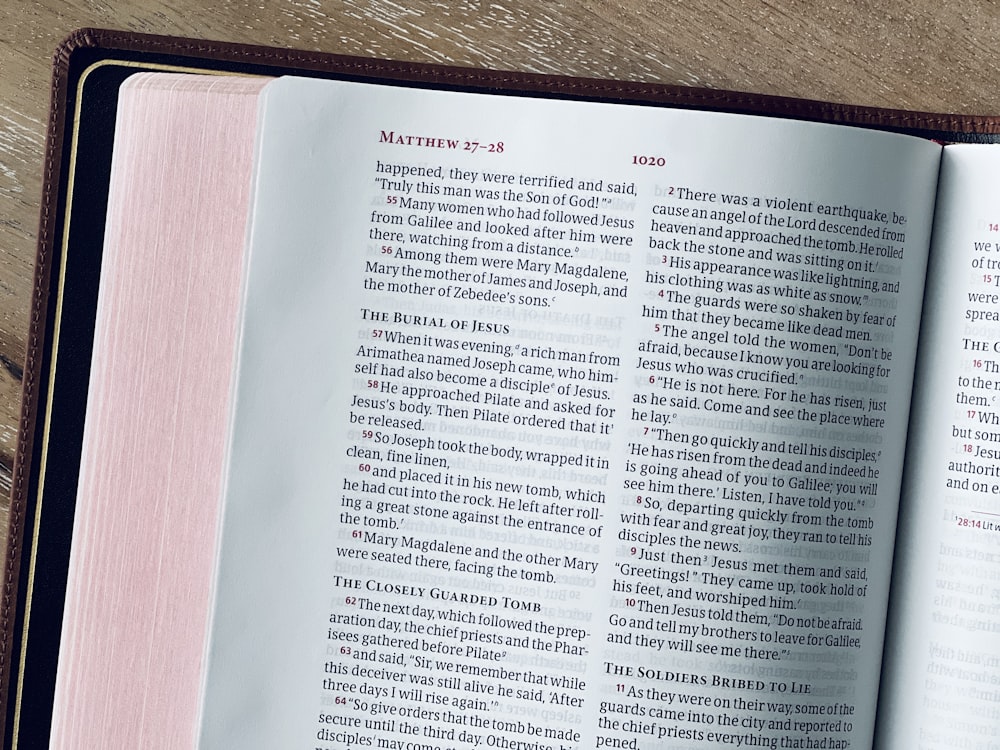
x,y
389,407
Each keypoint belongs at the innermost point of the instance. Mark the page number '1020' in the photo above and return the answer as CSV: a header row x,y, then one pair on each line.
x,y
649,161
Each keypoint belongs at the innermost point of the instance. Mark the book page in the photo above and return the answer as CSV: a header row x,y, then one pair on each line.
x,y
943,673
564,425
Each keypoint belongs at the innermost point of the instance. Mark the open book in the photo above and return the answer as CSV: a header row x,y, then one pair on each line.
x,y
431,419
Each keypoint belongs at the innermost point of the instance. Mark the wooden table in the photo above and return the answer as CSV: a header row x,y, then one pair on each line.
x,y
912,54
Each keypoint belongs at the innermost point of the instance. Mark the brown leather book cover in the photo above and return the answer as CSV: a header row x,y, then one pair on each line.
x,y
89,68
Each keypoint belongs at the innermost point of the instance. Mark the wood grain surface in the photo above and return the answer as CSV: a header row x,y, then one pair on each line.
x,y
911,54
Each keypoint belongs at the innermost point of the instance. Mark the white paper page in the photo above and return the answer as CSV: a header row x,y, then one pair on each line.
x,y
944,643
564,424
